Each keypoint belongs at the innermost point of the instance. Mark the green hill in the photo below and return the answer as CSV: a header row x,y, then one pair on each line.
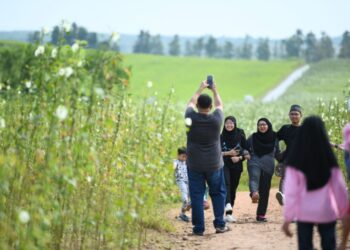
x,y
235,78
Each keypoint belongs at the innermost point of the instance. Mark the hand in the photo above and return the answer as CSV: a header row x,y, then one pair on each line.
x,y
233,152
235,159
203,85
247,156
213,87
286,230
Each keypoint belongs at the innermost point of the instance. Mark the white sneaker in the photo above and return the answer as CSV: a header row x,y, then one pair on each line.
x,y
230,218
228,207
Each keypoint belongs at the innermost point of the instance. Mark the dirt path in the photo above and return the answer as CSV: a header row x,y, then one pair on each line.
x,y
245,234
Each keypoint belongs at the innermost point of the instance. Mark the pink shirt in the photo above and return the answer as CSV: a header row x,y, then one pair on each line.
x,y
322,205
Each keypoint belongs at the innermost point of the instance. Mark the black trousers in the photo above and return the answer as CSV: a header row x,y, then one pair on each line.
x,y
232,177
326,231
264,193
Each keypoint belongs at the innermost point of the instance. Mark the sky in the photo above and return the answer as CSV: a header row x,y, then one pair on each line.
x,y
230,18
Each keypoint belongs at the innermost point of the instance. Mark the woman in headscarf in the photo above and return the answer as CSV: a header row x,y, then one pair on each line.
x,y
263,148
233,145
315,189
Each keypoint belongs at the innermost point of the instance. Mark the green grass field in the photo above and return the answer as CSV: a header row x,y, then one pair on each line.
x,y
235,78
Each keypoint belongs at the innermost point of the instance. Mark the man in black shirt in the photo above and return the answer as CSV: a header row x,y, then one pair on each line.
x,y
204,161
287,134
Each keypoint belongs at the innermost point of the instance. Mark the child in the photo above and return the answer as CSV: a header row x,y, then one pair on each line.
x,y
182,182
315,190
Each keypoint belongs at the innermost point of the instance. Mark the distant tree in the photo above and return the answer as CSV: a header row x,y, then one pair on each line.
x,y
263,50
276,50
198,47
293,44
325,47
55,35
82,33
345,46
211,47
311,51
174,46
143,43
228,50
34,37
188,48
246,51
157,45
92,39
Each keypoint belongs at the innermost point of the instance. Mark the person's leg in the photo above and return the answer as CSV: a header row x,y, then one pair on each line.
x,y
254,179
184,194
305,231
327,233
236,176
264,193
217,192
227,174
197,190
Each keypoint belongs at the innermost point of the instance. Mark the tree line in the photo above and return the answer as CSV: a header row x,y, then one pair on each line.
x,y
298,45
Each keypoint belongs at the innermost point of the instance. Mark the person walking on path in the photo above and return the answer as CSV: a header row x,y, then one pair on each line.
x,y
287,134
315,189
234,150
204,159
263,148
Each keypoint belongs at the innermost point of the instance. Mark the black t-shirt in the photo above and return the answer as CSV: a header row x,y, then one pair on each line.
x,y
203,141
287,133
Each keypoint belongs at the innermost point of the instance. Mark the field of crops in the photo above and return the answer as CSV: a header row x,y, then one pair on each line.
x,y
86,151
235,78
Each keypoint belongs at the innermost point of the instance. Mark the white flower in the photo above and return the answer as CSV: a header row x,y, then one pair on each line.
x,y
24,216
39,51
54,53
69,71
8,87
134,215
172,90
66,72
66,26
115,37
28,84
75,47
89,179
149,84
61,112
2,123
80,64
45,30
99,92
188,122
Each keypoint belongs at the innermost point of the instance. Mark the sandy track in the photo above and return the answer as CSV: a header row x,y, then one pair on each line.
x,y
245,234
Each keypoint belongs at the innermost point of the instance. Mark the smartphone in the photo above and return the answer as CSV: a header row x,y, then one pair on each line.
x,y
210,81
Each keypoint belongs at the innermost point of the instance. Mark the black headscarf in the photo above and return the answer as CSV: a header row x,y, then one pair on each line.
x,y
231,138
264,143
312,154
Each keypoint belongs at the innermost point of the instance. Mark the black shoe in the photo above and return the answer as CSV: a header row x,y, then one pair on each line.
x,y
196,234
184,218
220,230
261,219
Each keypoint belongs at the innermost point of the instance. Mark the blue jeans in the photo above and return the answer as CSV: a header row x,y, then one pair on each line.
x,y
254,178
217,192
326,231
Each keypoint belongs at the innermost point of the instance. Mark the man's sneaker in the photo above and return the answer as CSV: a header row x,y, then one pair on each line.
x,y
255,197
196,234
228,207
230,218
206,205
184,218
280,198
261,219
220,230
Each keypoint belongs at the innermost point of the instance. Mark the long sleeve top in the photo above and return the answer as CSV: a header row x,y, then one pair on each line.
x,y
322,205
